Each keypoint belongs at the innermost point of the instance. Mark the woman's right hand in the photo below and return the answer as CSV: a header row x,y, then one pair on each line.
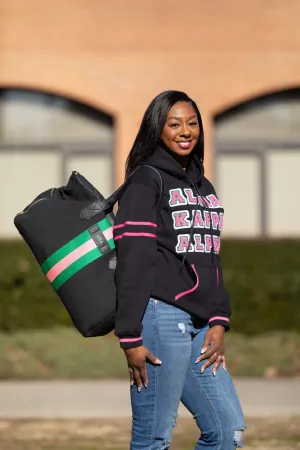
x,y
136,359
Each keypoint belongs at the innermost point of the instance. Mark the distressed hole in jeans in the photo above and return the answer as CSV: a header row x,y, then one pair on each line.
x,y
174,423
165,445
181,327
238,438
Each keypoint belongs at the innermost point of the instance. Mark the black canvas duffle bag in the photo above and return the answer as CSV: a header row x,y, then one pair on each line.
x,y
70,233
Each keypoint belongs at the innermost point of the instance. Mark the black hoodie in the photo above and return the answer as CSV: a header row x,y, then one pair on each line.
x,y
169,253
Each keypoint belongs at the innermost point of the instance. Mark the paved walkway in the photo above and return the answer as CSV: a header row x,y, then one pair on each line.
x,y
105,399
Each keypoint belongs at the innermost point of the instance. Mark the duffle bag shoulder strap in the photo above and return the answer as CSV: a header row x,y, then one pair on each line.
x,y
161,194
110,202
97,206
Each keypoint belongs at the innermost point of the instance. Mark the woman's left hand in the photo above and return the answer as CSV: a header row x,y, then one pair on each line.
x,y
213,349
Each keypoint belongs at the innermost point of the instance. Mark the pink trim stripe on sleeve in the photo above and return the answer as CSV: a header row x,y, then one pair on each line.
x,y
218,318
131,339
146,224
135,235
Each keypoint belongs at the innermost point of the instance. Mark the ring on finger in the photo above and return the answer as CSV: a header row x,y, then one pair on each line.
x,y
220,357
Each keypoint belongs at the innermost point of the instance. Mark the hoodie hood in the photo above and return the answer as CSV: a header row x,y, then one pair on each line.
x,y
163,160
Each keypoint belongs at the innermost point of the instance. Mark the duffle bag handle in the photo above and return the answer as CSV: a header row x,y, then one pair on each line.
x,y
107,205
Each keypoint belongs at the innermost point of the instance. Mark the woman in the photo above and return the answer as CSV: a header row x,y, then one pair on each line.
x,y
172,306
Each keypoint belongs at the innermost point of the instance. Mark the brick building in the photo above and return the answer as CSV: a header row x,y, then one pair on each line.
x,y
76,77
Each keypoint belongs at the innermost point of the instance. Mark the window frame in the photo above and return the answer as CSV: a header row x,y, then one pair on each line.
x,y
260,151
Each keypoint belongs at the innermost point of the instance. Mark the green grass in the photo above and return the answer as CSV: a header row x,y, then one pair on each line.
x,y
61,353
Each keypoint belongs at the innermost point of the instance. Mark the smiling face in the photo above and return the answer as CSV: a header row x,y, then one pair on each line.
x,y
181,130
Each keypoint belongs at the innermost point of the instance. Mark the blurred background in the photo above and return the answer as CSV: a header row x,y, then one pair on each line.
x,y
75,79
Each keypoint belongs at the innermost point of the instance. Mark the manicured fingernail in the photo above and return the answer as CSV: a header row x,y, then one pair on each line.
x,y
214,373
224,368
197,360
131,383
158,361
146,385
203,350
139,389
202,370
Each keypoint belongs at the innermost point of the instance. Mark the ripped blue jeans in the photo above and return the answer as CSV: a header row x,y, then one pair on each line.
x,y
169,334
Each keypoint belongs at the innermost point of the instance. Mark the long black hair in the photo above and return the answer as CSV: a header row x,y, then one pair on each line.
x,y
152,125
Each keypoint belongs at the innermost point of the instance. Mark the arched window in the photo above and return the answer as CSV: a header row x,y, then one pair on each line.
x,y
43,138
257,165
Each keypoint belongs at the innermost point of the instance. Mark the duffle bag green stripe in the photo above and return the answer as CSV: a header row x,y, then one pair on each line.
x,y
76,266
82,238
111,243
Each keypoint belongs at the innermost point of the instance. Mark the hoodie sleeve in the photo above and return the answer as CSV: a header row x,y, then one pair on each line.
x,y
221,311
135,238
